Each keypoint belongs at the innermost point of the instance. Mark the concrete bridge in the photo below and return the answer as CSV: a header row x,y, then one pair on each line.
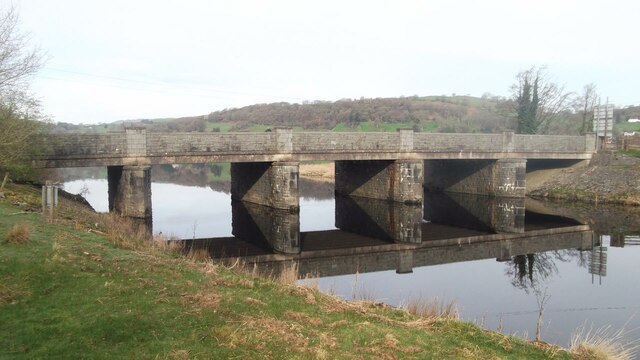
x,y
264,166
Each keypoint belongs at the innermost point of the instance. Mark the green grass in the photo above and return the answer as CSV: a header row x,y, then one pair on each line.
x,y
629,127
70,293
222,126
630,152
225,173
388,127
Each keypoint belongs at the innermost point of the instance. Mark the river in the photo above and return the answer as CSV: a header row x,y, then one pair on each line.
x,y
496,269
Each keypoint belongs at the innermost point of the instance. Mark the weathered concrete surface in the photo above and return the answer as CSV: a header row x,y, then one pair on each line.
x,y
130,190
399,180
136,147
502,177
385,220
270,184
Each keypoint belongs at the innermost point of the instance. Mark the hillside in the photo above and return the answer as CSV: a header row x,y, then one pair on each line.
x,y
488,114
434,113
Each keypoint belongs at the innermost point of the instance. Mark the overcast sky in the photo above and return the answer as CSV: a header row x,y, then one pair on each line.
x,y
114,60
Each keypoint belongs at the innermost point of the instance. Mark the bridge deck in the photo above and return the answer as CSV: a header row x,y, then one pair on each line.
x,y
140,148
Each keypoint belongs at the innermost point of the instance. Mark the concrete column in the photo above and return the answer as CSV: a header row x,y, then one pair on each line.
x,y
277,229
399,180
130,190
503,177
509,177
380,219
269,184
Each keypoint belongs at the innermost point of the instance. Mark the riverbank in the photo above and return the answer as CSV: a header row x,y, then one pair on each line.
x,y
610,178
318,171
84,287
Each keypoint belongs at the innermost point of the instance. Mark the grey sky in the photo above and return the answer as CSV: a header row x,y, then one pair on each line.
x,y
113,60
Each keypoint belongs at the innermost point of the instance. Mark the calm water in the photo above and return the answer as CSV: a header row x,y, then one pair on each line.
x,y
591,282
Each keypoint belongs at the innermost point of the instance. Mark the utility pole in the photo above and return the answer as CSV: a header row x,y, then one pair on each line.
x,y
606,121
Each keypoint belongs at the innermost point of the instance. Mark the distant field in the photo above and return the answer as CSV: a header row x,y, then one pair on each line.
x,y
222,126
626,126
388,127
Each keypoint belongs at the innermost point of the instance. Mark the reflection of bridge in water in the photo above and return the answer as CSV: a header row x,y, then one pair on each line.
x,y
376,235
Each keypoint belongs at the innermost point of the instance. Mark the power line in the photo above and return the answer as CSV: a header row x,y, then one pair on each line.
x,y
156,90
160,83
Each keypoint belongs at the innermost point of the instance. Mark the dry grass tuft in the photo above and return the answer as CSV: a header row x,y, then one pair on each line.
x,y
205,300
179,354
303,318
256,332
168,244
18,234
250,300
126,232
603,343
310,298
288,275
198,255
6,295
432,309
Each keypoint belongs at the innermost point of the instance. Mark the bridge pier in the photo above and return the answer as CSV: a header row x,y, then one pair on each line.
x,y
273,184
393,180
503,177
130,191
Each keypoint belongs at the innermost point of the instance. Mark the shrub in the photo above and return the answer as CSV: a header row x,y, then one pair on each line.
x,y
18,234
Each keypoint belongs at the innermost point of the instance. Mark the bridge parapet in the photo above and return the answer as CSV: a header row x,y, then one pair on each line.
x,y
83,145
554,143
163,144
138,147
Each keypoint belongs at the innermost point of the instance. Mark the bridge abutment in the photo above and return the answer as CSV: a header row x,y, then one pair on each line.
x,y
270,184
393,180
130,191
500,178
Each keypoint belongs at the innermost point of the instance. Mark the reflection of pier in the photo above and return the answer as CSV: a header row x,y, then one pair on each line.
x,y
336,252
386,220
496,214
378,235
278,229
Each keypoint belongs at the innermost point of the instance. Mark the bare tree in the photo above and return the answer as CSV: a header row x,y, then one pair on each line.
x,y
17,59
538,100
588,100
19,111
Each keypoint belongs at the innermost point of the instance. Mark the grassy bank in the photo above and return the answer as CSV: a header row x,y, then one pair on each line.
x,y
67,292
610,178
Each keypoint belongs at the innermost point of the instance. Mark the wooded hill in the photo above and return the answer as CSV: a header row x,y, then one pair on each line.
x,y
487,114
